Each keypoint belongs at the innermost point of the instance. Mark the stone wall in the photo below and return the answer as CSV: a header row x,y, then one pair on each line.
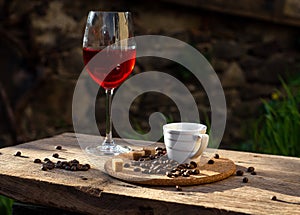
x,y
41,59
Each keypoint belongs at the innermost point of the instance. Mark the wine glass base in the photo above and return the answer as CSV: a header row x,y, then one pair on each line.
x,y
107,150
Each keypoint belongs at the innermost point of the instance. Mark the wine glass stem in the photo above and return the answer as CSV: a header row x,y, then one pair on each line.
x,y
108,139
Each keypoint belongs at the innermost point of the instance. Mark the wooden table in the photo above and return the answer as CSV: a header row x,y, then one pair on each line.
x,y
23,180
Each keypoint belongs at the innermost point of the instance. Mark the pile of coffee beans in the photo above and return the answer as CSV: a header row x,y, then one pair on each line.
x,y
159,163
72,165
184,170
151,165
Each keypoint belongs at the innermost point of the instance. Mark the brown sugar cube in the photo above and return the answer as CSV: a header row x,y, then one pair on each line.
x,y
149,151
117,165
138,154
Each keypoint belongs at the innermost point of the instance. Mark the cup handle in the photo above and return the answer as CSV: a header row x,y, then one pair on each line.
x,y
203,138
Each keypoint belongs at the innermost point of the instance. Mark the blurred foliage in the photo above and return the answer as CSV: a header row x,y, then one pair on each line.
x,y
277,131
5,205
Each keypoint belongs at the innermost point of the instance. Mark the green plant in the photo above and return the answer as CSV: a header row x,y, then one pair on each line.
x,y
277,131
5,205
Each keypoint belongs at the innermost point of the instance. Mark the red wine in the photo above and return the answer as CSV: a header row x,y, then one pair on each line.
x,y
110,58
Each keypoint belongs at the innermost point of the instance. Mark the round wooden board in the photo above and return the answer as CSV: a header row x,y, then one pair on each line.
x,y
209,173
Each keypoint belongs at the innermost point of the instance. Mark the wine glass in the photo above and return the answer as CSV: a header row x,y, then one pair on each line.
x,y
107,38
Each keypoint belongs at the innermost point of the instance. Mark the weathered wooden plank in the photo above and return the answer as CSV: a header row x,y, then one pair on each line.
x,y
23,180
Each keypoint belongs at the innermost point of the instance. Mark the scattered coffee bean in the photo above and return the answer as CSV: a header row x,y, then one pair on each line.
x,y
217,156
58,147
37,160
211,162
253,173
46,159
126,165
274,198
137,169
245,180
55,155
18,153
178,188
44,168
239,173
250,169
84,178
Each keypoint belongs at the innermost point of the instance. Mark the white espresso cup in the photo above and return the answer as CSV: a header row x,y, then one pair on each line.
x,y
185,141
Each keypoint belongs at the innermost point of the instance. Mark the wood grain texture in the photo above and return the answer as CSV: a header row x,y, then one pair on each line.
x,y
23,180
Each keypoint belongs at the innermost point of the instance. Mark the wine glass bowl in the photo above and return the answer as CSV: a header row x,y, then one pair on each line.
x,y
109,55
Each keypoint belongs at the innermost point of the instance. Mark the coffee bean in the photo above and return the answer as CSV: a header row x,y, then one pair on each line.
x,y
274,198
186,174
250,169
37,160
79,166
193,164
86,165
159,171
46,159
74,161
239,173
58,165
84,168
174,170
64,164
44,168
18,153
73,168
151,171
195,172
58,147
217,156
137,169
181,166
158,148
49,165
211,162
175,174
245,180
84,178
169,174
178,188
55,155
253,173
145,171
126,165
